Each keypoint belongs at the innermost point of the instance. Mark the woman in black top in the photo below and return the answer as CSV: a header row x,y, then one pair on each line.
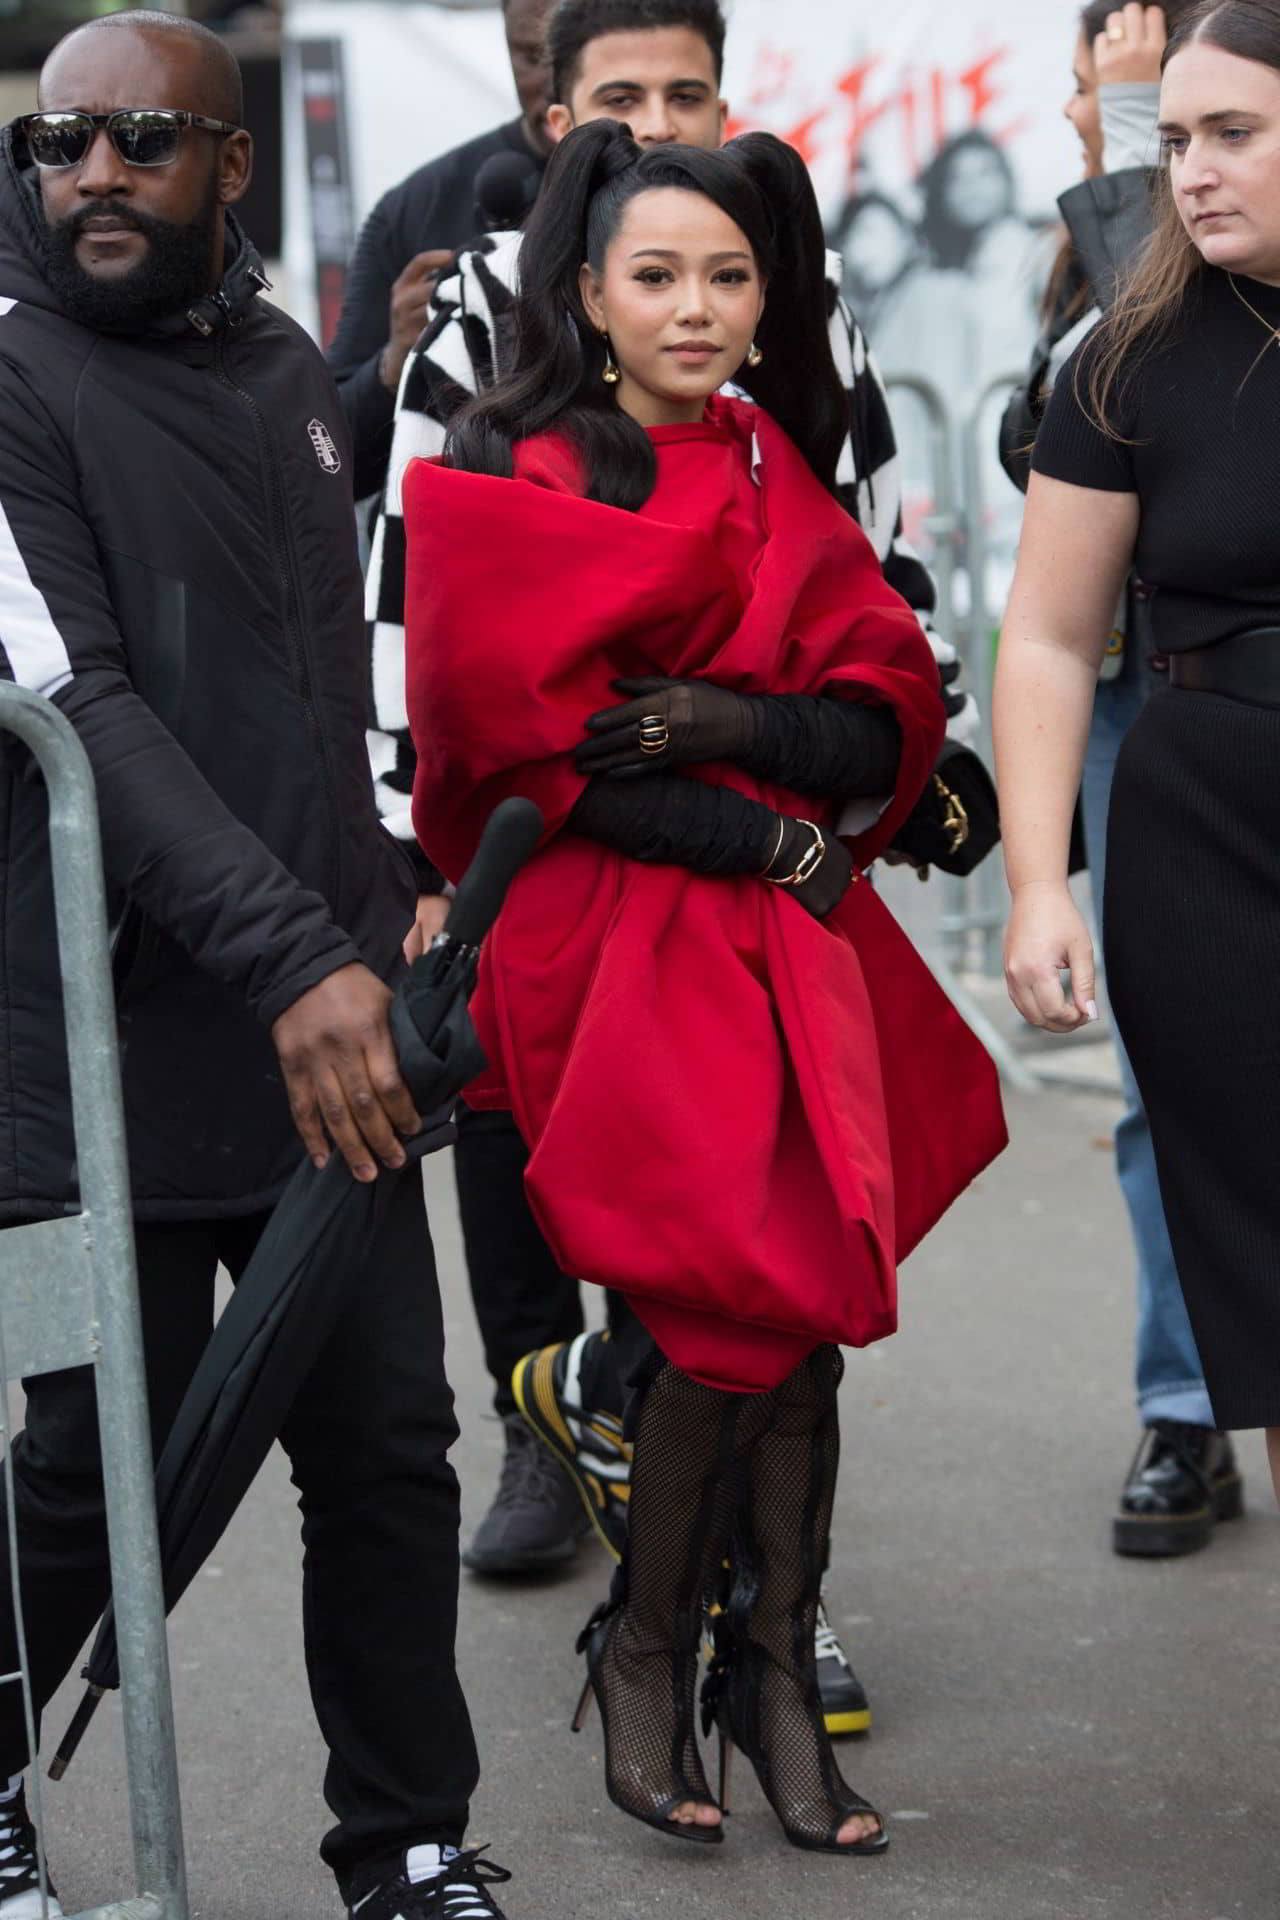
x,y
1159,452
1184,1477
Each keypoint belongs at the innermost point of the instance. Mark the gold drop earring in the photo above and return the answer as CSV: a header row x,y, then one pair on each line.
x,y
754,355
610,375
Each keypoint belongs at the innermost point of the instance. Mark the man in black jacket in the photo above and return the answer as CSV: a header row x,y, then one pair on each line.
x,y
179,575
412,233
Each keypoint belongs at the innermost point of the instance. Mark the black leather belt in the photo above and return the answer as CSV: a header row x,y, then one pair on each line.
x,y
1244,667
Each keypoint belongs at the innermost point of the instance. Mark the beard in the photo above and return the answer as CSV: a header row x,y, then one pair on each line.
x,y
175,271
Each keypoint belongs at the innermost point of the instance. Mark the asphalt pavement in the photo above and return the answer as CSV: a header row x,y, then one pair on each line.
x,y
1058,1733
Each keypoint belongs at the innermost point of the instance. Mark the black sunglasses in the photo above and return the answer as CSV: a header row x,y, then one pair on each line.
x,y
142,136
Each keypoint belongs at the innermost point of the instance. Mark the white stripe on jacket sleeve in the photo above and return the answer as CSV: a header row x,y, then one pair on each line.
x,y
35,650
29,640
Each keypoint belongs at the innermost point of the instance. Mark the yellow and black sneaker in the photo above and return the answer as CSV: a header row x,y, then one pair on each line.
x,y
845,1706
587,1443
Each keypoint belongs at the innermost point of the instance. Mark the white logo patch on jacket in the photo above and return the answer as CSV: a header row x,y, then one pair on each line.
x,y
322,440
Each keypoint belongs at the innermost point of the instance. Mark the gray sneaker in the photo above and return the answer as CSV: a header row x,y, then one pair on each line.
x,y
535,1520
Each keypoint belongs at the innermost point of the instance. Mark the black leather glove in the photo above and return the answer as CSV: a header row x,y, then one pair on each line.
x,y
828,883
696,722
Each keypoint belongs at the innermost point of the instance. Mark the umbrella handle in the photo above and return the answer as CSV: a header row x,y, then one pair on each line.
x,y
75,1732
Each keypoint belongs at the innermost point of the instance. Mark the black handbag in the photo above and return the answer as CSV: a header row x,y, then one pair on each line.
x,y
956,821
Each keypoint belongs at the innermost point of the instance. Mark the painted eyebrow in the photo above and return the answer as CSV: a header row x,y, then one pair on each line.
x,y
1211,120
639,86
669,253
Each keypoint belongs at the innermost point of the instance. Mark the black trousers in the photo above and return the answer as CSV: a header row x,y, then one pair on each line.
x,y
521,1298
367,1438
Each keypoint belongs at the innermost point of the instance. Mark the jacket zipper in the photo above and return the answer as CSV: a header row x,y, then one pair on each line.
x,y
295,633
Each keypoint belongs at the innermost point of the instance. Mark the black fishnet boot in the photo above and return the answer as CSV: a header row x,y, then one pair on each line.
x,y
688,1477
763,1687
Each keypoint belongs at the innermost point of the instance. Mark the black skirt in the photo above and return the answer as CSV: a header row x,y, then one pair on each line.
x,y
1192,933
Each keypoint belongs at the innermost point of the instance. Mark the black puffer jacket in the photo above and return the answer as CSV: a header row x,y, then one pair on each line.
x,y
178,572
1108,221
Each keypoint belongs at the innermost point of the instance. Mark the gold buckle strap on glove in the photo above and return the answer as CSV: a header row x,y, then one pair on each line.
x,y
955,817
808,863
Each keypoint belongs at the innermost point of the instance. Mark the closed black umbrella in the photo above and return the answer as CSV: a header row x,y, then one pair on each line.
x,y
310,1259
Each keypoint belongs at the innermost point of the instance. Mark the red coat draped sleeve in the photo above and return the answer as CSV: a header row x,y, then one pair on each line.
x,y
738,1116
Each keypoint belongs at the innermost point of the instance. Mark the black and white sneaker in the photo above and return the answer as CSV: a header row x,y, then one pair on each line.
x,y
20,1897
845,1707
435,1883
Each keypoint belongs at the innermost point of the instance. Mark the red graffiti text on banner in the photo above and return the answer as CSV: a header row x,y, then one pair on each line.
x,y
928,104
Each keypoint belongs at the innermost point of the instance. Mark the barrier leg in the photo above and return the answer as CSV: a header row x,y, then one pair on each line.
x,y
108,1257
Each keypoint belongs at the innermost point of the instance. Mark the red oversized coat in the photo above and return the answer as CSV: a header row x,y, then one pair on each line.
x,y
740,1117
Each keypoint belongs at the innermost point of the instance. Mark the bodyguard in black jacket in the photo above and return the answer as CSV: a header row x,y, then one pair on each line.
x,y
178,574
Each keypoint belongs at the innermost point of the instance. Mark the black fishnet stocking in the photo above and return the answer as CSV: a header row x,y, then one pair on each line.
x,y
779,1556
688,1479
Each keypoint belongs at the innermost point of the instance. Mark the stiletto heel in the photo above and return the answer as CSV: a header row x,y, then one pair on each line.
x,y
644,1804
585,1698
689,1474
761,1690
726,1763
736,1704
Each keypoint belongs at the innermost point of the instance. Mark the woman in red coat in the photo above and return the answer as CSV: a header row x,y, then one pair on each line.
x,y
637,601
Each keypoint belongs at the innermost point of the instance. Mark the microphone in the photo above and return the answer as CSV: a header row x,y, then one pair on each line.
x,y
506,188
506,843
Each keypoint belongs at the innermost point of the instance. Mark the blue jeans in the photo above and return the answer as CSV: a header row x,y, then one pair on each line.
x,y
1169,1379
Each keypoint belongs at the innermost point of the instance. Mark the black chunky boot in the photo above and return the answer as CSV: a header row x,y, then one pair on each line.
x,y
762,1691
1183,1481
687,1479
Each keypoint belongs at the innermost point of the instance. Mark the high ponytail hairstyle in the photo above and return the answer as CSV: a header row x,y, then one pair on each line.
x,y
554,382
796,382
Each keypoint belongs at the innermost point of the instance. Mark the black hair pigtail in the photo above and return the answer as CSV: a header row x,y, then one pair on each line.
x,y
797,381
555,380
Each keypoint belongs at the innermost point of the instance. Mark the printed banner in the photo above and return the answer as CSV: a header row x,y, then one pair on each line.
x,y
934,134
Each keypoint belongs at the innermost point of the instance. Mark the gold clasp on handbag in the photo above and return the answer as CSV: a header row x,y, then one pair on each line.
x,y
955,819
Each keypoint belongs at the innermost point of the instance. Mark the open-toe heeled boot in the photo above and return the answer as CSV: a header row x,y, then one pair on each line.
x,y
687,1479
762,1689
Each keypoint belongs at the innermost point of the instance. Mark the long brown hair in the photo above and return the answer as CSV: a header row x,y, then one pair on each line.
x,y
1171,263
1067,293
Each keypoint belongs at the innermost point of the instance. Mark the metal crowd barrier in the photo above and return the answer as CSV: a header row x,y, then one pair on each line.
x,y
975,910
68,1297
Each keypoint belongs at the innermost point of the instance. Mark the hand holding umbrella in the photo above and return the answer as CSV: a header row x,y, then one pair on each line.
x,y
311,1258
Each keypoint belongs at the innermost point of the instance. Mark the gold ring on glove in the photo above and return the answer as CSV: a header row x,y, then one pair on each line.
x,y
654,734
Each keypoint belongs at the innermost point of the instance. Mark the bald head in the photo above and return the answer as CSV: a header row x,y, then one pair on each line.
x,y
171,56
129,241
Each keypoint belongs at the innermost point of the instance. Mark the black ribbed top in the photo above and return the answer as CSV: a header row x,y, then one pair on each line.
x,y
1202,415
